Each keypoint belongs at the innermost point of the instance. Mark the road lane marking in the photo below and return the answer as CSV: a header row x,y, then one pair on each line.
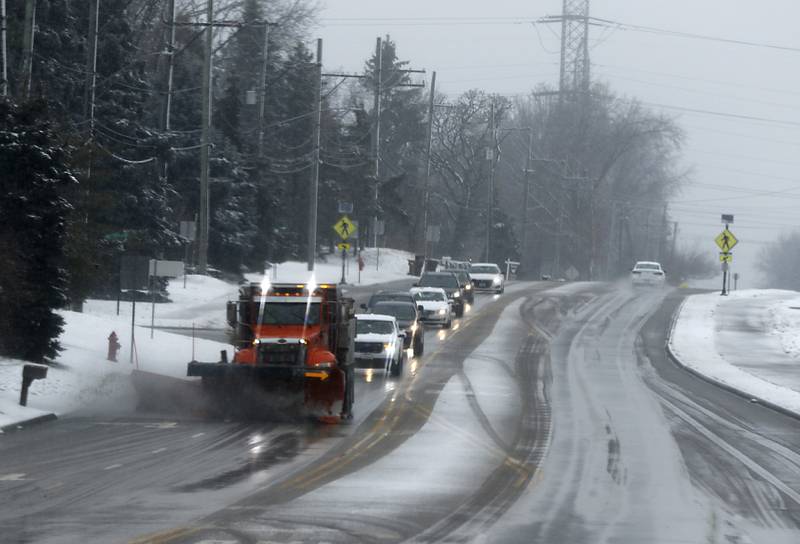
x,y
197,435
112,467
13,477
159,450
162,425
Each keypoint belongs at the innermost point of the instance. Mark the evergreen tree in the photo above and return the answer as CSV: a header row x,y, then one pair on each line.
x,y
34,213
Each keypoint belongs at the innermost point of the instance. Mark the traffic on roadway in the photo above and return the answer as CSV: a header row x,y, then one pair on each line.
x,y
544,412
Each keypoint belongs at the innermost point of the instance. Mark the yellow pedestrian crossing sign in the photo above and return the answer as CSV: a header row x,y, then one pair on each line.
x,y
726,258
726,241
344,228
343,246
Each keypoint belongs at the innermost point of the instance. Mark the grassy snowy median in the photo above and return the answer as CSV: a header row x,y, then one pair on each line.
x,y
748,341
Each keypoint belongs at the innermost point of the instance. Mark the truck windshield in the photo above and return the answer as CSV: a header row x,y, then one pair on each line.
x,y
290,313
429,295
484,269
401,312
445,280
366,326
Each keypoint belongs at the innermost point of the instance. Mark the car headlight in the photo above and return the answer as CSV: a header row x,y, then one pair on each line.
x,y
497,280
468,286
442,311
387,346
456,294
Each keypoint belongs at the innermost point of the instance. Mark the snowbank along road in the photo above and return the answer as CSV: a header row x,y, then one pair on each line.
x,y
547,414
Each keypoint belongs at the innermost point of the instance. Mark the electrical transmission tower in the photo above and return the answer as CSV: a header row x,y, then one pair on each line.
x,y
574,20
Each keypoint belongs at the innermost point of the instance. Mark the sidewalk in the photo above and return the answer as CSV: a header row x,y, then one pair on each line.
x,y
748,342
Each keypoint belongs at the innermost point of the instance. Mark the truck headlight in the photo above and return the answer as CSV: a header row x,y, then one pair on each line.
x,y
497,280
468,287
387,346
456,294
442,311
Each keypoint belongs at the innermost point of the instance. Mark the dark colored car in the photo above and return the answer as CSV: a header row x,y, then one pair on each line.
x,y
388,296
466,285
449,282
408,320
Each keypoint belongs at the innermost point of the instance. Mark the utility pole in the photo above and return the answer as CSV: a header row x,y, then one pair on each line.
x,y
376,135
91,65
490,155
170,68
525,197
427,195
262,96
205,143
314,185
26,74
3,50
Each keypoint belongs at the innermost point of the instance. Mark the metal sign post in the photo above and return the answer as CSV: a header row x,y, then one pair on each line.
x,y
161,269
343,247
726,241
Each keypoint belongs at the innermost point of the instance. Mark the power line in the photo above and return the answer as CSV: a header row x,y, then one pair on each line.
x,y
690,35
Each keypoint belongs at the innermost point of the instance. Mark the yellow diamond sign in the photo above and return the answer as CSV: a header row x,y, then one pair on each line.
x,y
726,240
344,228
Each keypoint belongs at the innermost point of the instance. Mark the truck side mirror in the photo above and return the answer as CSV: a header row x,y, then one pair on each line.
x,y
363,306
231,313
421,308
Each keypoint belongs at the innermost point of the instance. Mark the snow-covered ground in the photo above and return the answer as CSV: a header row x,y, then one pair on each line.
x,y
380,266
83,377
748,341
201,303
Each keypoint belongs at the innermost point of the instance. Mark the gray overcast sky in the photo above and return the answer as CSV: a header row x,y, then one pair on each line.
x,y
736,162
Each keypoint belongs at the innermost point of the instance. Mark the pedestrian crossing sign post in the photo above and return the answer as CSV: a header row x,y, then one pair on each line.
x,y
344,228
726,241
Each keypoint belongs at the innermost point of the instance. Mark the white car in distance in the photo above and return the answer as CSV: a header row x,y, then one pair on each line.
x,y
487,277
379,343
648,273
436,307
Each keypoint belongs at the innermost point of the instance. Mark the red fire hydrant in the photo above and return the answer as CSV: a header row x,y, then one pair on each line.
x,y
113,346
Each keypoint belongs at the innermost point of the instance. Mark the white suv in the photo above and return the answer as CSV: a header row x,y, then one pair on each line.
x,y
379,343
648,273
487,277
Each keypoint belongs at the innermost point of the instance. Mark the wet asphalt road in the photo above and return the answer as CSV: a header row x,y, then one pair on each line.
x,y
608,441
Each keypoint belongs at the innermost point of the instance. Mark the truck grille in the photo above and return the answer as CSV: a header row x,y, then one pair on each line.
x,y
280,354
369,347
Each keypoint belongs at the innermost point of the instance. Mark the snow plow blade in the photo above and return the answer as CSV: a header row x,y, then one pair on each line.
x,y
255,373
268,391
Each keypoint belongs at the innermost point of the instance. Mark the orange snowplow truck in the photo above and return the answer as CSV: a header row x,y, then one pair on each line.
x,y
293,343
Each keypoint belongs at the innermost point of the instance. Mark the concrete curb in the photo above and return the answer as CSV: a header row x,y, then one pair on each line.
x,y
20,425
729,388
